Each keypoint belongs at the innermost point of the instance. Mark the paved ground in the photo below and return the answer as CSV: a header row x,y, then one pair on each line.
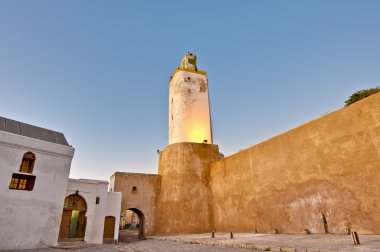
x,y
88,248
283,242
172,246
241,242
126,235
141,246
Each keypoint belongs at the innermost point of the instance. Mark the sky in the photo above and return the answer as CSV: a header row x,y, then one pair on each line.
x,y
98,71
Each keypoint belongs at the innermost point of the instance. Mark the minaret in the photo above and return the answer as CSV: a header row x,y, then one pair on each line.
x,y
189,105
183,203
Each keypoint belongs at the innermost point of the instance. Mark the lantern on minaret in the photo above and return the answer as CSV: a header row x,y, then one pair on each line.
x,y
189,104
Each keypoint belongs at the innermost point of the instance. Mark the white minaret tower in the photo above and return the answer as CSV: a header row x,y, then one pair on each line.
x,y
189,105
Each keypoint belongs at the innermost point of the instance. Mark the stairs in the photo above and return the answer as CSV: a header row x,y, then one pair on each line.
x,y
72,244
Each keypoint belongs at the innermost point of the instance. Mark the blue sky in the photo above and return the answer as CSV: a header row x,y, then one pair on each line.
x,y
98,71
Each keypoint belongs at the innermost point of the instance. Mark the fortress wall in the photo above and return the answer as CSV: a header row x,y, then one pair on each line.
x,y
143,198
184,203
321,176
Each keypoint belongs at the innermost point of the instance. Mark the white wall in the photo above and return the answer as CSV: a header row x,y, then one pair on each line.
x,y
31,219
114,209
189,108
89,190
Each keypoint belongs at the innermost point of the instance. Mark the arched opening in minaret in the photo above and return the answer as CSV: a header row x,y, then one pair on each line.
x,y
132,225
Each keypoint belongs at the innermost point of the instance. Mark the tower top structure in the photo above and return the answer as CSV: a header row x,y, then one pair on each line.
x,y
189,61
189,64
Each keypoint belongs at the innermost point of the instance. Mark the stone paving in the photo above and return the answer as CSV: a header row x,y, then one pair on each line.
x,y
283,242
140,246
82,248
172,246
240,242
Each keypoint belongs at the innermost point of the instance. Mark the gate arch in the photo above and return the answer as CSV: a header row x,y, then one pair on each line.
x,y
140,214
73,222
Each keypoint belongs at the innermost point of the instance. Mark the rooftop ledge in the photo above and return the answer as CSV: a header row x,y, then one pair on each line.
x,y
201,72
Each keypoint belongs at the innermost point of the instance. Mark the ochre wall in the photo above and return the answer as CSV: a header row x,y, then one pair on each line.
x,y
144,199
184,203
330,165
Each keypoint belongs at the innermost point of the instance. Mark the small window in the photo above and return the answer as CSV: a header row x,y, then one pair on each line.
x,y
97,200
27,163
22,182
134,190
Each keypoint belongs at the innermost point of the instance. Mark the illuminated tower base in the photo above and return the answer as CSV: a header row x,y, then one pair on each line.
x,y
184,202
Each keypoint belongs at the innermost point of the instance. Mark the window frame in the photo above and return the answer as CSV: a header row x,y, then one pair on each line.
x,y
22,181
30,158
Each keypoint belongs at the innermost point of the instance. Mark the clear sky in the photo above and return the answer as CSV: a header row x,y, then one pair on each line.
x,y
98,71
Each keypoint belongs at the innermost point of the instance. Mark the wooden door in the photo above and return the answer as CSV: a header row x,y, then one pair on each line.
x,y
109,227
64,229
81,228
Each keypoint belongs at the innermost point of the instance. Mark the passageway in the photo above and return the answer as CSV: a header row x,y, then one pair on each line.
x,y
132,225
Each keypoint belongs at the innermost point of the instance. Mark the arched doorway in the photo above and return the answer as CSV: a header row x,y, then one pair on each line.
x,y
73,223
132,225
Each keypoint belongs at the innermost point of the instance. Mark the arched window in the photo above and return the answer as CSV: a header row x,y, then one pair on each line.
x,y
27,163
24,180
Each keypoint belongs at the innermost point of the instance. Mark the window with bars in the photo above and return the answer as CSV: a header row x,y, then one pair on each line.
x,y
27,163
24,180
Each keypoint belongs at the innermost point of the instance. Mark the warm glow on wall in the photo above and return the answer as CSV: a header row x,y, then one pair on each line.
x,y
189,106
198,132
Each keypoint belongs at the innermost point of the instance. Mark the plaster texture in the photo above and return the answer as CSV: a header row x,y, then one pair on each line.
x,y
184,203
109,205
189,108
320,177
143,199
113,209
30,219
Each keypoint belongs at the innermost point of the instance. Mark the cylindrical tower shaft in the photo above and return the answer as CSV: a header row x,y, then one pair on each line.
x,y
189,105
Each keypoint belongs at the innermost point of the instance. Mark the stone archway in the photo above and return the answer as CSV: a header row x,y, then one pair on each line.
x,y
73,223
141,216
133,225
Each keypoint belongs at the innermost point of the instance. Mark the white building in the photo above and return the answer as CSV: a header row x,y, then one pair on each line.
x,y
36,192
90,212
189,104
34,169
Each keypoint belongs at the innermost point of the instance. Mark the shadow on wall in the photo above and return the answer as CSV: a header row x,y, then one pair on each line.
x,y
312,207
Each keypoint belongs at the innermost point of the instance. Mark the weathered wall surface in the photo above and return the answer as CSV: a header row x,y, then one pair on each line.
x,y
30,219
143,198
113,209
189,108
323,175
184,203
89,190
